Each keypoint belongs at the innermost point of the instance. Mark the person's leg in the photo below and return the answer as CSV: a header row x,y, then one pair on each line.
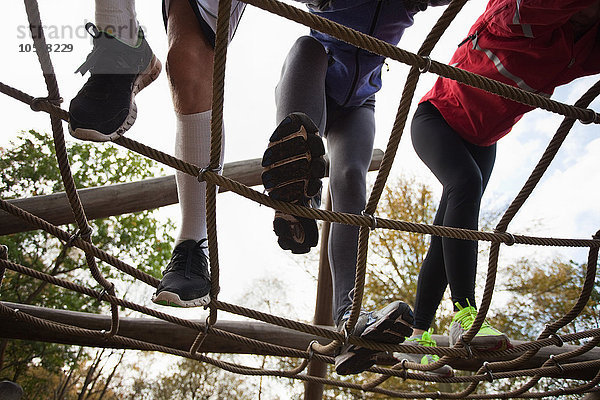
x,y
301,87
350,146
350,136
189,69
293,163
449,158
118,18
121,64
464,170
186,281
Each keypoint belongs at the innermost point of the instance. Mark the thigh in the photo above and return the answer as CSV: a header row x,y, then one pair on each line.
x,y
184,27
444,152
190,60
206,12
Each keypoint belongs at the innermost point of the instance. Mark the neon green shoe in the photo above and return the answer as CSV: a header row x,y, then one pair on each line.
x,y
425,340
487,339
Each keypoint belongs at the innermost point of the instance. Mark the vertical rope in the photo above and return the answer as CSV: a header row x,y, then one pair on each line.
x,y
37,34
220,59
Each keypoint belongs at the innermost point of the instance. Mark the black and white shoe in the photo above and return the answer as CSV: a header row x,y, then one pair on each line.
x,y
293,166
392,325
186,280
104,109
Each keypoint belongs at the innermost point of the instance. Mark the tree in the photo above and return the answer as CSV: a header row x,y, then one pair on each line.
x,y
539,292
29,168
188,379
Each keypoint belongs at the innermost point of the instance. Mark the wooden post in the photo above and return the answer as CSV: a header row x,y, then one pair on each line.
x,y
323,309
10,391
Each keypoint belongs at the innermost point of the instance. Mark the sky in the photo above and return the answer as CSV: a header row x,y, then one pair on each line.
x,y
565,204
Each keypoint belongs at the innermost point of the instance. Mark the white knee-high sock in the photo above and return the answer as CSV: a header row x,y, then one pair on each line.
x,y
118,18
192,144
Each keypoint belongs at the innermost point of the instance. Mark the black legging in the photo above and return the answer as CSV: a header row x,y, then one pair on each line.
x,y
464,170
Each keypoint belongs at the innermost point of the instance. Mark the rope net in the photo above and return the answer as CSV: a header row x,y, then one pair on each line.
x,y
513,359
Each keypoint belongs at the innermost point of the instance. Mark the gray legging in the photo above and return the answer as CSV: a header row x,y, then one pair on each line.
x,y
350,133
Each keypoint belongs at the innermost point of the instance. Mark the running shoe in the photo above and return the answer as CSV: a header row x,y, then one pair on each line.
x,y
425,340
392,324
293,166
104,109
487,339
186,280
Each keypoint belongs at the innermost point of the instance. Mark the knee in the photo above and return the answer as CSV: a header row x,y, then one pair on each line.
x,y
348,189
468,188
308,48
189,70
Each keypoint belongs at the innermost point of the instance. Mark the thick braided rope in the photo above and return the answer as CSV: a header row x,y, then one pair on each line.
x,y
196,326
546,159
220,58
50,108
85,230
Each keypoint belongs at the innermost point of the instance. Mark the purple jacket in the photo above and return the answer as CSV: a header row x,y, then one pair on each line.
x,y
354,74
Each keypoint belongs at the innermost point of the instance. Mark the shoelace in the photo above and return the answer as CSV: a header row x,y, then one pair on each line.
x,y
425,340
181,255
118,60
466,316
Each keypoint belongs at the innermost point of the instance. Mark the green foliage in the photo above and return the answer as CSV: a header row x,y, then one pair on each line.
x,y
191,380
29,168
542,293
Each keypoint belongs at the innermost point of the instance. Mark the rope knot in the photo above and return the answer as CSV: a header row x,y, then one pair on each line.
x,y
427,65
593,117
511,238
372,218
38,102
203,170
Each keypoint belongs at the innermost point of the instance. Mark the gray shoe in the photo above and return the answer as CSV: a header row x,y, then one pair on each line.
x,y
425,340
392,324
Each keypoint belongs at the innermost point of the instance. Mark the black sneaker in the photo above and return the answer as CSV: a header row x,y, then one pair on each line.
x,y
186,281
104,109
293,166
392,324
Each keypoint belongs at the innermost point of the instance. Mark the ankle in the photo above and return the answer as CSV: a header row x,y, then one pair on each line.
x,y
417,332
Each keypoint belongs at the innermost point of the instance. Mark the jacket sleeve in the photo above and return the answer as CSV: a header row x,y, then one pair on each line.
x,y
530,18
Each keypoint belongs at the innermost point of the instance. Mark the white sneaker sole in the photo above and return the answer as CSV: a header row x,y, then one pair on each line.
x,y
171,299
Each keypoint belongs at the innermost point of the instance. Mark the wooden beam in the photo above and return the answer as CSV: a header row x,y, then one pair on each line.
x,y
167,334
151,330
124,198
323,307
